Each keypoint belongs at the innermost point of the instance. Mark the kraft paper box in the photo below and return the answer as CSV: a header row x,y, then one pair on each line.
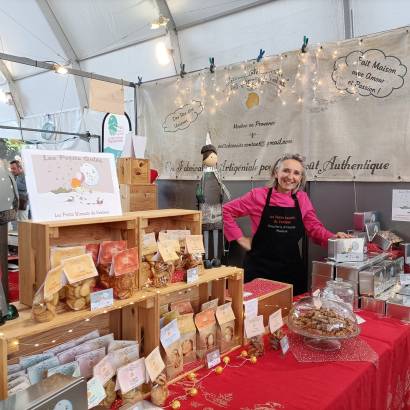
x,y
173,359
187,329
226,327
206,338
346,249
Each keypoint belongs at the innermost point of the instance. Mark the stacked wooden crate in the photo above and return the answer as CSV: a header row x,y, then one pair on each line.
x,y
137,193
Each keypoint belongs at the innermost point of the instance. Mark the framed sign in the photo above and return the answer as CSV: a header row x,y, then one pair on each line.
x,y
71,185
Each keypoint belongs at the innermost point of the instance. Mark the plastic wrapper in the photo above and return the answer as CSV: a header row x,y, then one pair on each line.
x,y
44,309
78,294
110,392
124,286
161,273
159,391
132,396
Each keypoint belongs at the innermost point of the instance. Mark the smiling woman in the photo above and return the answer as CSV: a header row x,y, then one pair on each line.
x,y
280,215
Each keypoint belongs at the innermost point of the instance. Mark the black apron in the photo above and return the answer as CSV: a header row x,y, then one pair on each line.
x,y
275,247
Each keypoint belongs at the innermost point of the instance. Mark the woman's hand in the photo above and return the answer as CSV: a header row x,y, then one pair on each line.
x,y
245,242
343,235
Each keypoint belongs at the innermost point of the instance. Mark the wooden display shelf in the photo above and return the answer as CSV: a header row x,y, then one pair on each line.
x,y
165,219
37,238
130,319
210,285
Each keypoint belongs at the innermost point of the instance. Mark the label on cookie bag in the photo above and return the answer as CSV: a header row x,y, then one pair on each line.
x,y
79,268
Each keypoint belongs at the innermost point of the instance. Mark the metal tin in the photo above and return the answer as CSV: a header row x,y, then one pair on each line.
x,y
350,270
371,229
322,271
382,242
373,305
405,247
398,266
396,308
362,218
375,280
346,249
324,268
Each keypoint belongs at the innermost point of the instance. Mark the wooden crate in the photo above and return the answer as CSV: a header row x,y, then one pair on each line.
x,y
131,319
271,296
214,283
140,197
165,219
37,238
133,171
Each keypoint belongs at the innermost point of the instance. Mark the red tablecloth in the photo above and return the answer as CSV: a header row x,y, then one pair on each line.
x,y
277,382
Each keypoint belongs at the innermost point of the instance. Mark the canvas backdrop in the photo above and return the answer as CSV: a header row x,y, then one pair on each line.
x,y
345,106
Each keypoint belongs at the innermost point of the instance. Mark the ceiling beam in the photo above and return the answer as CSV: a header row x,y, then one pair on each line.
x,y
67,48
73,71
173,33
224,14
13,89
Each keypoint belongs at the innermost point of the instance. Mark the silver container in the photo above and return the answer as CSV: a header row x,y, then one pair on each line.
x,y
396,307
362,218
398,266
405,247
374,280
373,305
346,249
383,243
322,271
350,270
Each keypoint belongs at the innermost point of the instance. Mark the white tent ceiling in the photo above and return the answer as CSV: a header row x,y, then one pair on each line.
x,y
113,37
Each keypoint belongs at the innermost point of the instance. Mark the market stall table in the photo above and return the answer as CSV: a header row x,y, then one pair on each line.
x,y
281,382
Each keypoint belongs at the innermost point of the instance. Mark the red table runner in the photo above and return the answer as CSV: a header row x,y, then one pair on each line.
x,y
280,382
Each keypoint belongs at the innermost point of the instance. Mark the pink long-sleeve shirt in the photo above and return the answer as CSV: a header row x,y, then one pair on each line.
x,y
252,203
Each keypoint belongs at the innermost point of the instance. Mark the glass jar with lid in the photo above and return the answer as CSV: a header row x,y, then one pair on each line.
x,y
340,291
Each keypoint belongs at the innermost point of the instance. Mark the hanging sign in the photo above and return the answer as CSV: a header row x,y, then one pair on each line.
x,y
114,131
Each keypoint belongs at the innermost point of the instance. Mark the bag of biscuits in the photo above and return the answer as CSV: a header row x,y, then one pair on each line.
x,y
46,298
125,270
80,272
107,250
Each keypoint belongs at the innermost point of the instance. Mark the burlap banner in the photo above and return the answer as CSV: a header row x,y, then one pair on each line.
x,y
344,105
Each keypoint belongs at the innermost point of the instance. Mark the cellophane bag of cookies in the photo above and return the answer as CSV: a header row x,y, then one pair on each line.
x,y
125,269
80,272
47,297
44,309
107,250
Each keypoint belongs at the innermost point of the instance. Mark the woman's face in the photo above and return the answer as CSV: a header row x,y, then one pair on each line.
x,y
289,175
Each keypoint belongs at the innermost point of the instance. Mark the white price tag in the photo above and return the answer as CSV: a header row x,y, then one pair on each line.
x,y
284,344
192,275
251,308
213,358
360,320
275,321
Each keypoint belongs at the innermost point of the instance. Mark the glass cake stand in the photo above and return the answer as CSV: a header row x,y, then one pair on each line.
x,y
323,323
